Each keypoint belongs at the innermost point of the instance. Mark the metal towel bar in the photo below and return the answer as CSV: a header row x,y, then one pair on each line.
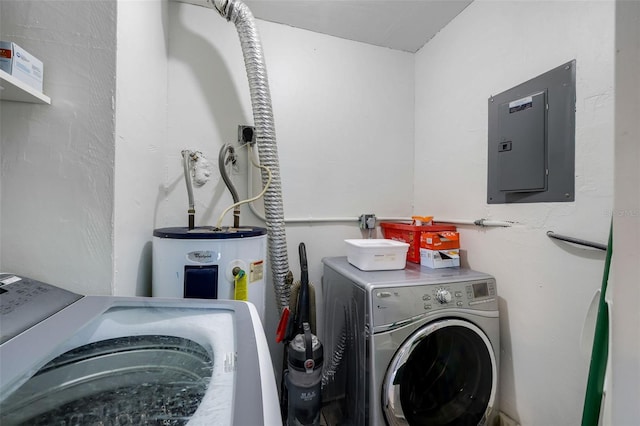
x,y
586,243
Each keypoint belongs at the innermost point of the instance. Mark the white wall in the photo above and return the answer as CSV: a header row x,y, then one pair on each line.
x,y
141,138
344,122
545,287
624,291
58,159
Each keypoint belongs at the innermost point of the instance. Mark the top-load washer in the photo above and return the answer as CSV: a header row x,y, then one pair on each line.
x,y
76,360
416,346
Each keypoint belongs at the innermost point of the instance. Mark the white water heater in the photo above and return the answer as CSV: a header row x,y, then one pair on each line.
x,y
200,262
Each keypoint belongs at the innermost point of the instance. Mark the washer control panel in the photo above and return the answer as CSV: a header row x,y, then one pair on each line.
x,y
395,305
25,302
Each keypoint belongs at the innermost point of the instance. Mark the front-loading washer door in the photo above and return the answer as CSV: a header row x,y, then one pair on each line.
x,y
443,374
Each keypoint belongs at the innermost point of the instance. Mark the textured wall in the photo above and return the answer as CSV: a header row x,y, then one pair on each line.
x,y
141,137
545,287
58,159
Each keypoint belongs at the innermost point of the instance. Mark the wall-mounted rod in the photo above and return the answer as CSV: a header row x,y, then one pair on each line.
x,y
578,241
477,222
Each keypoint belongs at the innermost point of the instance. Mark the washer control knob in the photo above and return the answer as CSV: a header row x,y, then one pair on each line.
x,y
443,295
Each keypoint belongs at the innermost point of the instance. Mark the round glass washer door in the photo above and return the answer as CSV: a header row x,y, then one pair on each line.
x,y
445,374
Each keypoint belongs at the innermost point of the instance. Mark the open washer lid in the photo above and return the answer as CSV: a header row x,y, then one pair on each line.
x,y
100,352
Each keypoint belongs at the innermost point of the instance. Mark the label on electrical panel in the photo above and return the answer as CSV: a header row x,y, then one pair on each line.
x,y
520,104
256,271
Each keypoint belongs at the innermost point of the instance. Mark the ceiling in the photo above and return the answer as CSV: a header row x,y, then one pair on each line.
x,y
396,24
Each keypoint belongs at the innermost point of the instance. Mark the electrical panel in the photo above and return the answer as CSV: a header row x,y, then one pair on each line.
x,y
531,143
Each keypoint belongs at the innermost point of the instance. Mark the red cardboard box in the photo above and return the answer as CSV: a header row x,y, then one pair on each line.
x,y
443,240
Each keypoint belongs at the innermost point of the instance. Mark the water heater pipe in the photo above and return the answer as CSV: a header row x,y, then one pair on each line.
x,y
237,12
186,162
223,159
250,200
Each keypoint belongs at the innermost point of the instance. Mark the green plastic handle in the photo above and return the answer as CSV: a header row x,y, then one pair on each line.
x,y
600,350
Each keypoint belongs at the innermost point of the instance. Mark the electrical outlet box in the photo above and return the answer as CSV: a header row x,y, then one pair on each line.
x,y
367,221
531,141
246,134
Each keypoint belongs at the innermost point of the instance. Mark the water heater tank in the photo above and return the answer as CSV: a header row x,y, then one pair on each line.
x,y
200,263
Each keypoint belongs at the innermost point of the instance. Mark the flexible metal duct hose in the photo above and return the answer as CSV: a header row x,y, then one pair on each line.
x,y
238,13
331,367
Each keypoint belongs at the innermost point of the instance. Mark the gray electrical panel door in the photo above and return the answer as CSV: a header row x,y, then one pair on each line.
x,y
531,140
522,165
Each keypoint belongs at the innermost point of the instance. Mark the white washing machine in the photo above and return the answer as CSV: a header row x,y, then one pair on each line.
x,y
76,360
413,347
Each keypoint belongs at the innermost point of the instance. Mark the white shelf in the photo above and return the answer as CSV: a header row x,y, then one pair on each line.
x,y
12,89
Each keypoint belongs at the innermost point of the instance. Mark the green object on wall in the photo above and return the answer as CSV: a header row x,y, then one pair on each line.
x,y
600,350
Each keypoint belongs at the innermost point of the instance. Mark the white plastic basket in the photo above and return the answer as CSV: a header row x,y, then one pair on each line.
x,y
377,254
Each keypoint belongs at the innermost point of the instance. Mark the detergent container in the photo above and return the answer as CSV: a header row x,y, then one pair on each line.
x,y
205,263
